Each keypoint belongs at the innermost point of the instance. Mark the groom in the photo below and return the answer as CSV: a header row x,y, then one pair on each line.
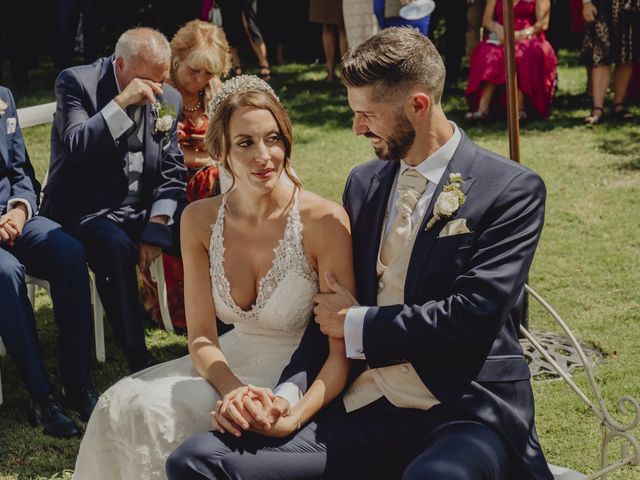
x,y
117,176
443,240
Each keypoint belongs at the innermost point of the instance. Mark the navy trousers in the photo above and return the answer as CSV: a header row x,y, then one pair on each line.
x,y
112,253
379,441
45,251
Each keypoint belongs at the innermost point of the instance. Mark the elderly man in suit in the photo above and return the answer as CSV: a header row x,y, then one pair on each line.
x,y
37,246
117,177
444,233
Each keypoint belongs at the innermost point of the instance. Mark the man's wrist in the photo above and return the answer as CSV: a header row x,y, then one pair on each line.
x,y
584,2
120,100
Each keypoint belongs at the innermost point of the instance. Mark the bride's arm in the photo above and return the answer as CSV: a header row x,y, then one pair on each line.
x,y
204,347
329,241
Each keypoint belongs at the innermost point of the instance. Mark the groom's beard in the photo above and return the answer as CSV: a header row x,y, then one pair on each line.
x,y
400,143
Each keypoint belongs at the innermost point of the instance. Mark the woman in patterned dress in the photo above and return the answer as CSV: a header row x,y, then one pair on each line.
x,y
612,35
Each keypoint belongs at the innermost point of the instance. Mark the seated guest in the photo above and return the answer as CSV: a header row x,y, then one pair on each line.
x,y
199,57
117,178
535,61
39,247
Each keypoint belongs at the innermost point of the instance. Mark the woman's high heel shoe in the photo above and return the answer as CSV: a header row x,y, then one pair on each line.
x,y
621,113
265,73
595,117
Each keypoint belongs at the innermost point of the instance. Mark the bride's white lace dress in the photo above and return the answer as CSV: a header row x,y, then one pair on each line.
x,y
140,420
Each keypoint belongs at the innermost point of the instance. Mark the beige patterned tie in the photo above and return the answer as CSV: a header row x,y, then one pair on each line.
x,y
411,186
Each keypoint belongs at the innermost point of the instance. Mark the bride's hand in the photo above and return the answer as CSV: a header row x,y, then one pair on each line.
x,y
230,414
284,427
270,407
246,407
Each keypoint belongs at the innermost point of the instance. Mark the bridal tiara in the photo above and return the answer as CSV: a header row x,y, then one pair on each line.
x,y
239,84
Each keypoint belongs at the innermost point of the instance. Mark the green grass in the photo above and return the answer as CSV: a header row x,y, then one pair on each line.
x,y
587,263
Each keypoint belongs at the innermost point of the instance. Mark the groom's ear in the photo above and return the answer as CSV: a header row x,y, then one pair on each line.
x,y
419,104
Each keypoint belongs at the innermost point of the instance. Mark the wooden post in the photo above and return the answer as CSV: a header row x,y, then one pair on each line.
x,y
512,81
512,108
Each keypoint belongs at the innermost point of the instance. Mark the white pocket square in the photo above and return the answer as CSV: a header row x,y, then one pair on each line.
x,y
454,227
11,125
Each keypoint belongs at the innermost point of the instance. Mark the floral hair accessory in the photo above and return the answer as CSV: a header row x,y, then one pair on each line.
x,y
449,201
239,84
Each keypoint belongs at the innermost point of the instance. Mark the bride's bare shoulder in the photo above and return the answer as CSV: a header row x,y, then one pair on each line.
x,y
319,214
200,214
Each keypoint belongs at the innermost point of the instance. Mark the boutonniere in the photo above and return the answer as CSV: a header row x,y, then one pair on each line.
x,y
164,117
449,201
3,107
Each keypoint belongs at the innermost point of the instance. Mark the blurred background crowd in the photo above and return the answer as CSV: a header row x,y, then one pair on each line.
x,y
277,31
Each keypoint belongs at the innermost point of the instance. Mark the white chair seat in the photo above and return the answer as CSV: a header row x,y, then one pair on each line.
x,y
561,473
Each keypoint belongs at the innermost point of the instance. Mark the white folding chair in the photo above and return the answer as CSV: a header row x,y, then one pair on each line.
x,y
157,275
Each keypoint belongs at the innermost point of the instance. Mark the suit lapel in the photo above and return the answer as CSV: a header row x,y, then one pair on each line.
x,y
107,86
462,163
371,223
105,92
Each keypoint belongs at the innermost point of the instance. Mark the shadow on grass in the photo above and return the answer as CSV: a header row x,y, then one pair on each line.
x,y
624,147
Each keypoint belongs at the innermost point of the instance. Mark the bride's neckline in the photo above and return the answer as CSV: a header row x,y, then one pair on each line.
x,y
276,253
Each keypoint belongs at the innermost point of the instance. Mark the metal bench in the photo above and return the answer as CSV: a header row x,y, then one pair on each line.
x,y
612,429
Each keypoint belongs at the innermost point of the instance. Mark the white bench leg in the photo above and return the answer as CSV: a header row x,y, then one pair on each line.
x,y
157,275
98,321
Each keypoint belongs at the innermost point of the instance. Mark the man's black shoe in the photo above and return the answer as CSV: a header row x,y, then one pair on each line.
x,y
46,412
82,400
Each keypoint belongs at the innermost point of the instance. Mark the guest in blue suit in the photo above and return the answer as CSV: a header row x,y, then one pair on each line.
x,y
444,233
37,246
117,177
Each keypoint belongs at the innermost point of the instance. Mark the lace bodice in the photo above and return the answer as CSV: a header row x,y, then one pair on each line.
x,y
284,299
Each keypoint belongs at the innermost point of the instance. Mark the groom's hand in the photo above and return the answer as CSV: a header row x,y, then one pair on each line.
x,y
246,408
331,309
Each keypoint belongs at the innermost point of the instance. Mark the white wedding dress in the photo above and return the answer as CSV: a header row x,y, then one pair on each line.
x,y
140,420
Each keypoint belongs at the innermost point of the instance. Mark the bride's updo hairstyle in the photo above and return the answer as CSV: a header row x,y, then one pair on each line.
x,y
238,92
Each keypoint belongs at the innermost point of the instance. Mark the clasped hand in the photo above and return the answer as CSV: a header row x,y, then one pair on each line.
x,y
256,409
11,225
331,308
139,91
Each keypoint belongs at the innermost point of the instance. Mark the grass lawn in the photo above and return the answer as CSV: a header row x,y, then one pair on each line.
x,y
587,263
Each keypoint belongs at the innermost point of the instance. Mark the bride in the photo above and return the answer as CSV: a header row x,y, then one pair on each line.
x,y
254,258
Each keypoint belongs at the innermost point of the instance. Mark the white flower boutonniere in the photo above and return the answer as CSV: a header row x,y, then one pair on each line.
x,y
449,201
3,107
164,117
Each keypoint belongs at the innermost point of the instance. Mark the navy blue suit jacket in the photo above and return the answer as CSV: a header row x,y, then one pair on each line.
x,y
87,171
17,178
463,295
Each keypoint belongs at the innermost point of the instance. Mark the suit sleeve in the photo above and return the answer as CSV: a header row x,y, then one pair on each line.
x,y
24,185
467,322
85,135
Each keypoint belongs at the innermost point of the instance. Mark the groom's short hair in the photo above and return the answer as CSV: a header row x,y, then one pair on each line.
x,y
394,61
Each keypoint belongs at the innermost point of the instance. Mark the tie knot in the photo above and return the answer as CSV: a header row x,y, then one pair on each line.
x,y
411,186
